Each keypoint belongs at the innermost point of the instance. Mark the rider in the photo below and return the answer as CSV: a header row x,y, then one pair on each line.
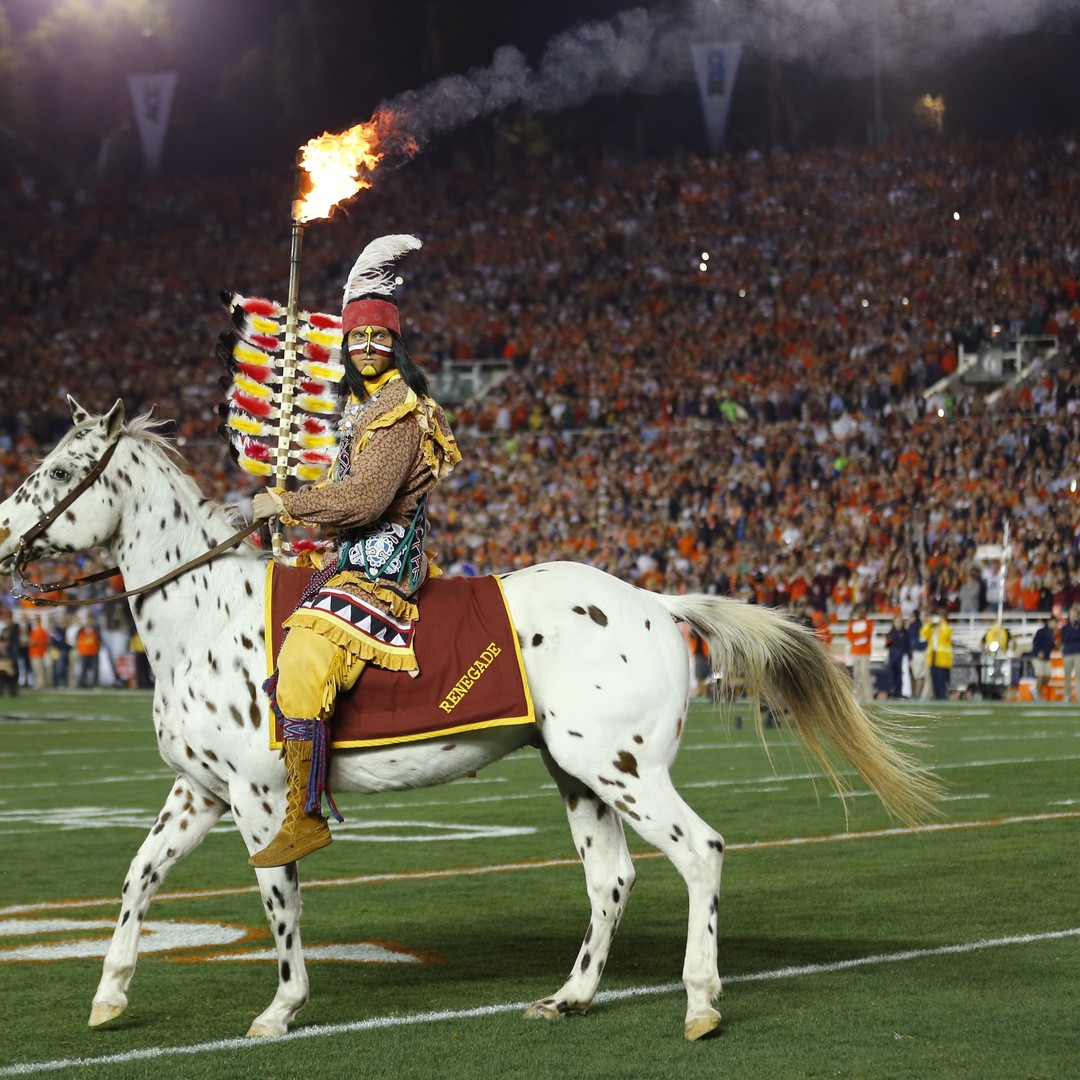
x,y
395,445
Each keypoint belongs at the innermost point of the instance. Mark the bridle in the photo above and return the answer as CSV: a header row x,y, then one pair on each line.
x,y
23,558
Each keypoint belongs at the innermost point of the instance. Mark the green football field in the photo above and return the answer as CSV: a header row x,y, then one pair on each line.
x,y
850,947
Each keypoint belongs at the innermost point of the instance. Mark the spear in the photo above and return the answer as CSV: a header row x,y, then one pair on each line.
x,y
329,170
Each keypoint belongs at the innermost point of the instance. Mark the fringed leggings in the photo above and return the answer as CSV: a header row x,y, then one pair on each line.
x,y
311,672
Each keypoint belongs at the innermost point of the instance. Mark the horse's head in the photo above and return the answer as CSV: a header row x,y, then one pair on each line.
x,y
91,519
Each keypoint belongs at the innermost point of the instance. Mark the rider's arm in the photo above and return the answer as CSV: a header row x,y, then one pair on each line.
x,y
376,476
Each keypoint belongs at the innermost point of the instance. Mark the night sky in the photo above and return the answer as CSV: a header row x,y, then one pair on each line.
x,y
258,77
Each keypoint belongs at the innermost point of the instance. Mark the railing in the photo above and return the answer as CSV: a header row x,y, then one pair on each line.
x,y
460,381
968,630
1004,360
974,669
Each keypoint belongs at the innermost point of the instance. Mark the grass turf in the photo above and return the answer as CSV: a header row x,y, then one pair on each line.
x,y
82,783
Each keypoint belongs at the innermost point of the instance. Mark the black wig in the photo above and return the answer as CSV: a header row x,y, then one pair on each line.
x,y
353,381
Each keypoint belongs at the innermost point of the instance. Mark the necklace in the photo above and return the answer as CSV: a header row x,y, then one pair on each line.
x,y
352,414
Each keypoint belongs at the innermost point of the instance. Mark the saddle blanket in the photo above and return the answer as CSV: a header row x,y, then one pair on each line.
x,y
471,675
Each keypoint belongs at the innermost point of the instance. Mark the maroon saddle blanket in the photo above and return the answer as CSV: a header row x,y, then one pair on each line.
x,y
471,675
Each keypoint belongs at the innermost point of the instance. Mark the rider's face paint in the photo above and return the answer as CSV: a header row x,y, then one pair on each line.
x,y
371,350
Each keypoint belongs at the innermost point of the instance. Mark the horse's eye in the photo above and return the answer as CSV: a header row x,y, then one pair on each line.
x,y
58,473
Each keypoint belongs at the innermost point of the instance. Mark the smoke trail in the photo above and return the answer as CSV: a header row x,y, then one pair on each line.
x,y
923,31
648,51
593,58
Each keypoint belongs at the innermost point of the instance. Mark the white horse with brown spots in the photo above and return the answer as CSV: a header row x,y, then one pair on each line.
x,y
607,668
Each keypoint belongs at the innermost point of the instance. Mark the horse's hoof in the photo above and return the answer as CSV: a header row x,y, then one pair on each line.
x,y
101,1012
544,1009
262,1030
699,1026
554,1009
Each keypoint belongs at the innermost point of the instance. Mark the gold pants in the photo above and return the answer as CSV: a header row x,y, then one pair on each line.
x,y
312,671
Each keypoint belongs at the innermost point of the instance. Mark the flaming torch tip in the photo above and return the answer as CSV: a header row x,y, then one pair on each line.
x,y
338,166
329,170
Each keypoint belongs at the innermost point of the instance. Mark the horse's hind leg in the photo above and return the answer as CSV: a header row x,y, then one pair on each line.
x,y
189,813
641,792
609,875
659,815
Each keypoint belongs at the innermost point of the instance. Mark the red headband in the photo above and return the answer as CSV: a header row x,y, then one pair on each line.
x,y
369,313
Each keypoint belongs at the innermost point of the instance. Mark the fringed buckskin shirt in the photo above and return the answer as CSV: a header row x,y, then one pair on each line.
x,y
394,448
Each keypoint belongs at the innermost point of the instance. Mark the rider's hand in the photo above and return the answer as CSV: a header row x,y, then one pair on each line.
x,y
264,505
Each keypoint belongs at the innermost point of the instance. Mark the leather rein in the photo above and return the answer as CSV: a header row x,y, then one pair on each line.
x,y
23,557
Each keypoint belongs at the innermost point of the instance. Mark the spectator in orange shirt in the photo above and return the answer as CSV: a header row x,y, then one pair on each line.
x,y
38,647
822,627
842,596
88,645
859,633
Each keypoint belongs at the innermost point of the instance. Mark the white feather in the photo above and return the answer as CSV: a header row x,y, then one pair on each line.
x,y
372,272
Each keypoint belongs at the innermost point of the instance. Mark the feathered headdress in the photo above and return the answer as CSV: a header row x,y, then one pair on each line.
x,y
372,274
253,352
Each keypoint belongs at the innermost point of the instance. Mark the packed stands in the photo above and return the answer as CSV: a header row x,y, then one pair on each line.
x,y
718,367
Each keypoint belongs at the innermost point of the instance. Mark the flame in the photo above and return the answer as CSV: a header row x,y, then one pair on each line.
x,y
338,166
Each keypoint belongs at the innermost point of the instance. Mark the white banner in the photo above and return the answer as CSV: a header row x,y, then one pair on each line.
x,y
716,66
151,97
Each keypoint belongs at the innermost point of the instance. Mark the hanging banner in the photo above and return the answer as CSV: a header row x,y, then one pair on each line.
x,y
151,97
716,66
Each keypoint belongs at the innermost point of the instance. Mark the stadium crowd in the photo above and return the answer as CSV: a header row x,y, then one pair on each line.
x,y
721,368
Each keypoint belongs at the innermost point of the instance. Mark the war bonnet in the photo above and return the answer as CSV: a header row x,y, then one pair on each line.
x,y
368,299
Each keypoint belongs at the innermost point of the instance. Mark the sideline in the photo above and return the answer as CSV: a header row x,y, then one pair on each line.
x,y
382,1022
546,864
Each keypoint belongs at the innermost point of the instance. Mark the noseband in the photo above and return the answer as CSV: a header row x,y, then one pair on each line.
x,y
22,552
23,557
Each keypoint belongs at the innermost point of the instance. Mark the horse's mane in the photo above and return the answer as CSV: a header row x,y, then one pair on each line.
x,y
147,429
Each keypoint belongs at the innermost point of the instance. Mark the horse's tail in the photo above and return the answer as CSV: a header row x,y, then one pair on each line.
x,y
785,665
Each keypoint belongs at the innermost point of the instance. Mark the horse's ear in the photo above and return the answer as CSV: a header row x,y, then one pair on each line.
x,y
78,413
114,419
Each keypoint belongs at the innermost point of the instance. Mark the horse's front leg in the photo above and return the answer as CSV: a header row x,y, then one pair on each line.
x,y
257,816
189,813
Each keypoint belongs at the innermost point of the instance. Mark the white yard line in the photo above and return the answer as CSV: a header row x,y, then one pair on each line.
x,y
165,776
977,764
379,1023
1025,737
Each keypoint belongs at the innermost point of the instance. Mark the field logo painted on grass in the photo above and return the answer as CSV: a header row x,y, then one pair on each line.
x,y
370,831
390,831
73,818
89,938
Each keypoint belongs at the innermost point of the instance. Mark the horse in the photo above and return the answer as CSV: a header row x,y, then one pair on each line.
x,y
605,662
